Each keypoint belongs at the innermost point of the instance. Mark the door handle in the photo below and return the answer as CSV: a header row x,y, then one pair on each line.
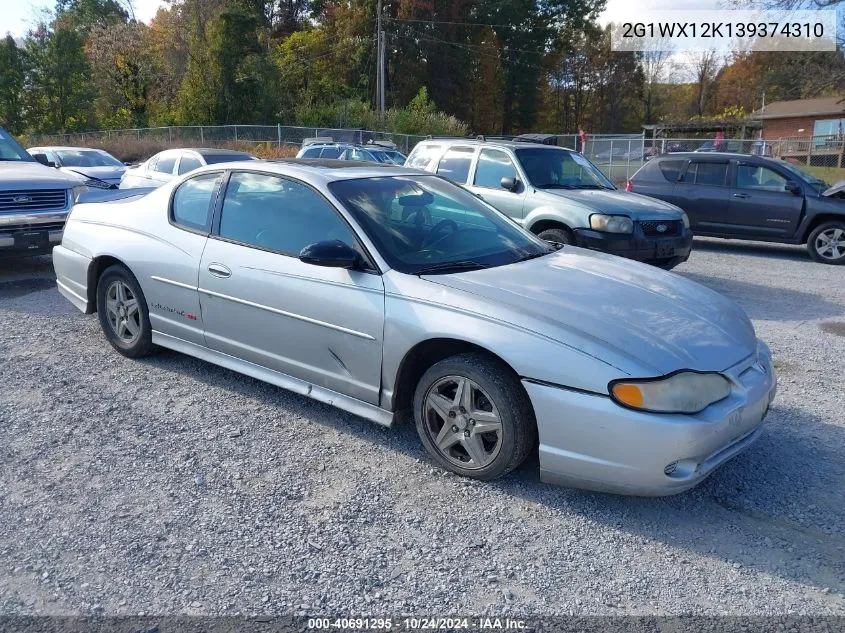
x,y
742,195
219,270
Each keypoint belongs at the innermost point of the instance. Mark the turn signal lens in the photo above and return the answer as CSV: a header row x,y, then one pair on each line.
x,y
629,394
684,392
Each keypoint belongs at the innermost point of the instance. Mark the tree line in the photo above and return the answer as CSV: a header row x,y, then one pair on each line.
x,y
453,67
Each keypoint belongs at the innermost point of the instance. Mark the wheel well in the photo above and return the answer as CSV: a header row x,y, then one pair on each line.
x,y
542,225
95,269
820,219
422,356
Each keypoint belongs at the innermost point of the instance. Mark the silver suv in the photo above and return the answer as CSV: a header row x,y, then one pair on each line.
x,y
34,200
561,196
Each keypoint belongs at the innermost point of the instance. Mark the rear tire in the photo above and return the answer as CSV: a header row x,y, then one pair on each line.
x,y
826,243
561,236
123,312
473,416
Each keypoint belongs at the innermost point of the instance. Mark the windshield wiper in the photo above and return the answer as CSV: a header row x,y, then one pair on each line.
x,y
554,185
525,258
93,181
449,266
586,186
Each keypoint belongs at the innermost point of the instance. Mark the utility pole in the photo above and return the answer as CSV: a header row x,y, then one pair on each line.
x,y
380,64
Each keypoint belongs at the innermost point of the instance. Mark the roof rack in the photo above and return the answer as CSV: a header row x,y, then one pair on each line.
x,y
382,143
314,140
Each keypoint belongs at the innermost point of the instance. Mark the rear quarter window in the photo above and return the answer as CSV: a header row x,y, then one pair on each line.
x,y
671,169
422,155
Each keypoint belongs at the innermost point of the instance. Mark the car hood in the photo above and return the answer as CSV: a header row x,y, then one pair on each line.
x,y
110,174
657,319
637,206
32,175
837,188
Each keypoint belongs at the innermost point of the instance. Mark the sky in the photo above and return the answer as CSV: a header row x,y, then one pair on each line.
x,y
17,16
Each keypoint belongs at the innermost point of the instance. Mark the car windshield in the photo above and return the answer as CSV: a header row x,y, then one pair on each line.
x,y
804,175
213,159
426,224
86,158
550,168
11,150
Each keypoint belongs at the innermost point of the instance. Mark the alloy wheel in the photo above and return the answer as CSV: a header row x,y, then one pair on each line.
x,y
462,422
830,244
123,313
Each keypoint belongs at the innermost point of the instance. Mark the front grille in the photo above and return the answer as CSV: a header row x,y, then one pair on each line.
x,y
28,228
33,200
651,228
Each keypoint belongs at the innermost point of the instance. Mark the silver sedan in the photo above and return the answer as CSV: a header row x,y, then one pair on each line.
x,y
391,292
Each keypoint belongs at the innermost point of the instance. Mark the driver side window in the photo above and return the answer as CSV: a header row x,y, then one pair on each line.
x,y
278,214
493,165
759,177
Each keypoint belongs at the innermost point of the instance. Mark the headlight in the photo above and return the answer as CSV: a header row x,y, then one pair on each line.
x,y
685,218
683,392
77,191
611,223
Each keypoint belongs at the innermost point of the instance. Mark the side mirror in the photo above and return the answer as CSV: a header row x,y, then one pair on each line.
x,y
127,163
793,188
511,184
42,158
330,253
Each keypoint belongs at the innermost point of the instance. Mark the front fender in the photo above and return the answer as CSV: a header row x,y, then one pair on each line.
x,y
417,310
572,215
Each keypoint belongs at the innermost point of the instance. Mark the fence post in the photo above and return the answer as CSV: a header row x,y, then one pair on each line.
x,y
810,151
236,132
170,134
628,161
202,137
279,133
610,162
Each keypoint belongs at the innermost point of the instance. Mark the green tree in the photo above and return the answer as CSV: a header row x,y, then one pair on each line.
x,y
11,85
58,89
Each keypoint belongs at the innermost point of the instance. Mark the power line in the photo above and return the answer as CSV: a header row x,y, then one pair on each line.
x,y
417,21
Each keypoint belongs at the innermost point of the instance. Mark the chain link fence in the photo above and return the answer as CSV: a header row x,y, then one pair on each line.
x,y
205,135
619,156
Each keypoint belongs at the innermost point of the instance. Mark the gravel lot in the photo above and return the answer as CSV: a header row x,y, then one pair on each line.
x,y
172,486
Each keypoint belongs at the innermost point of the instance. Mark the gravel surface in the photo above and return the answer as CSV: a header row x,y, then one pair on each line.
x,y
173,486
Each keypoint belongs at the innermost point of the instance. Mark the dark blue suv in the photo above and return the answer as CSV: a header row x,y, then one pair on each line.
x,y
739,196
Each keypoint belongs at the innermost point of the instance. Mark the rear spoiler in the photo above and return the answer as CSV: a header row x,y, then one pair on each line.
x,y
111,195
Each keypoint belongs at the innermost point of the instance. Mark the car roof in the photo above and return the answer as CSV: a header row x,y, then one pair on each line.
x,y
474,142
67,148
700,155
319,170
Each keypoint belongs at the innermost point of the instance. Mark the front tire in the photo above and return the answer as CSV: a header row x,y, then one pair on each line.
x,y
560,236
826,243
123,312
473,416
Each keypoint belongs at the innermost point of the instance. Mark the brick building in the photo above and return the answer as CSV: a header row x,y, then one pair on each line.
x,y
803,118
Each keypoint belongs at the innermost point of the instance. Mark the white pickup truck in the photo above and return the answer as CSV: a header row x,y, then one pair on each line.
x,y
34,201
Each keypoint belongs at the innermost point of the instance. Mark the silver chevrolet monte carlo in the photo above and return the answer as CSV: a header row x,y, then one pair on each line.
x,y
387,291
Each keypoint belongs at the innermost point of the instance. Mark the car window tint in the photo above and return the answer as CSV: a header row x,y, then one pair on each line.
x,y
706,173
330,152
188,163
165,164
759,177
671,169
311,152
455,164
192,201
278,214
423,155
493,165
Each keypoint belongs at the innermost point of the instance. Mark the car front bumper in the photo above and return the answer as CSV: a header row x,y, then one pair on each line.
x,y
588,441
666,251
32,233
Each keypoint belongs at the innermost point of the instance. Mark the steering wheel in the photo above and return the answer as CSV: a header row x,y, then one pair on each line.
x,y
434,237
